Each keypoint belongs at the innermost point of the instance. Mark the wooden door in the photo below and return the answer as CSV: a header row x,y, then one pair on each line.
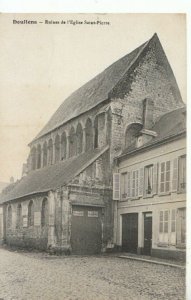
x,y
130,232
147,233
86,233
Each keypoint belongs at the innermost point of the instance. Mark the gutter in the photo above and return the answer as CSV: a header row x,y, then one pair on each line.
x,y
152,145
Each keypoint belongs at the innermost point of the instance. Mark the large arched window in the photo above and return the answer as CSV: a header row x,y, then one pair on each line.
x,y
63,145
57,148
38,156
72,139
44,212
19,216
33,158
96,132
89,135
9,216
131,133
45,154
79,137
31,213
50,152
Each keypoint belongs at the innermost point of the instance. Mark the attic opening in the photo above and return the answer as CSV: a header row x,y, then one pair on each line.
x,y
131,134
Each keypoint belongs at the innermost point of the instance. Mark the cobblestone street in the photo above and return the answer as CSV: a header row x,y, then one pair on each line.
x,y
27,276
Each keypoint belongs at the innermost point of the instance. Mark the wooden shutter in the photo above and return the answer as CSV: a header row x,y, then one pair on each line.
x,y
128,184
155,179
116,186
174,174
141,181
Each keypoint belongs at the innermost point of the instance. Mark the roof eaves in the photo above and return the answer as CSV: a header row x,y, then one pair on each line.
x,y
91,161
26,195
150,145
61,124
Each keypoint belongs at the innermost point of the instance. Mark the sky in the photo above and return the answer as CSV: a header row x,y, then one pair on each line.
x,y
42,64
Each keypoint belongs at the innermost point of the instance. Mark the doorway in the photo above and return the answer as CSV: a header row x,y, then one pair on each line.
x,y
130,232
147,233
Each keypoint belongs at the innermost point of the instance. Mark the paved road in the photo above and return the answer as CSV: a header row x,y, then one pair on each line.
x,y
28,276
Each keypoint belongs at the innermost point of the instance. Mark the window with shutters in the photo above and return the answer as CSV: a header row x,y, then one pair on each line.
x,y
124,185
128,184
167,227
181,227
182,174
149,180
163,226
135,184
116,186
165,177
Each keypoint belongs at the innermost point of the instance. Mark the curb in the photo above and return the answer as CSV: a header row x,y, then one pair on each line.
x,y
153,261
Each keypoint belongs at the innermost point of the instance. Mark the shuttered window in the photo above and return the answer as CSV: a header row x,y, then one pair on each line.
x,y
174,174
124,185
182,174
141,182
167,227
135,183
128,184
165,177
148,180
116,186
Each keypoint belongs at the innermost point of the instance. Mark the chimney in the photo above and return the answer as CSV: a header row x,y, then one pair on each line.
x,y
148,109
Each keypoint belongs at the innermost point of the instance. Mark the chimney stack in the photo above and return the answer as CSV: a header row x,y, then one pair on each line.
x,y
148,109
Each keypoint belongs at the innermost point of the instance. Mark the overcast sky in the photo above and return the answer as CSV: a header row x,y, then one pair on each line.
x,y
40,65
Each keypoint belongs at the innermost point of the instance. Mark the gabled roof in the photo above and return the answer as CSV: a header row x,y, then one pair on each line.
x,y
170,125
51,177
93,92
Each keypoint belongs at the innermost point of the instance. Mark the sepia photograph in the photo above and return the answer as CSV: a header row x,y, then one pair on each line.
x,y
93,156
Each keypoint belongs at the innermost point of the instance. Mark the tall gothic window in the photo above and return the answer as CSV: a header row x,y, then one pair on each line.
x,y
63,145
19,216
57,148
89,135
31,213
9,216
79,137
44,212
45,154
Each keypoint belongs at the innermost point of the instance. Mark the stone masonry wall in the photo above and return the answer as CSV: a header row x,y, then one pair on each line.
x,y
152,78
27,236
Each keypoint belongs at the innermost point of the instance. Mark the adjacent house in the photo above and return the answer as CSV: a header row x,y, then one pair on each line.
x,y
63,201
150,186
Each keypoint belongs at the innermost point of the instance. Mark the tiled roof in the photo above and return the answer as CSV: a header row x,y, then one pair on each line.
x,y
51,177
93,92
169,125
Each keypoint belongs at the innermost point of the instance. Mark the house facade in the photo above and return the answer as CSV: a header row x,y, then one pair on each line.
x,y
64,199
151,190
